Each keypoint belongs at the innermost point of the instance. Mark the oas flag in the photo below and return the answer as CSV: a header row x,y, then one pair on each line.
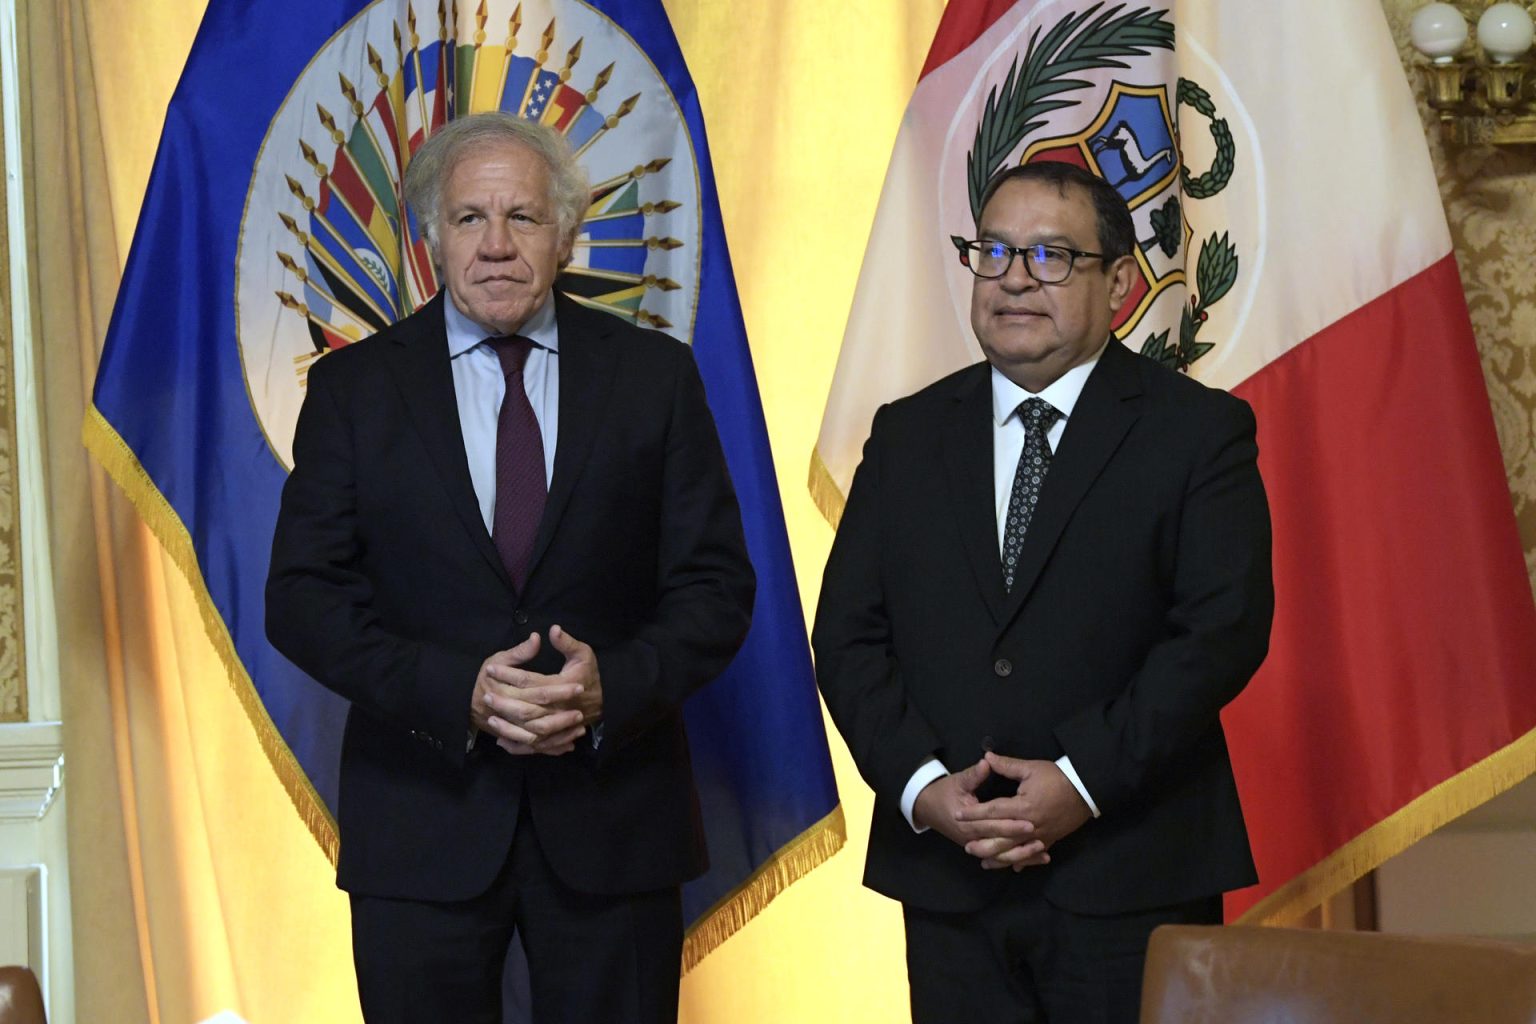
x,y
1292,249
273,233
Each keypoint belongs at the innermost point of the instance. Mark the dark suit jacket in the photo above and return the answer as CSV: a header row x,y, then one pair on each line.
x,y
1141,606
386,588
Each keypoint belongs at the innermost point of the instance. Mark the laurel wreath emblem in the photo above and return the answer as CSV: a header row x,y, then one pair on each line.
x,y
1216,266
1215,179
1097,38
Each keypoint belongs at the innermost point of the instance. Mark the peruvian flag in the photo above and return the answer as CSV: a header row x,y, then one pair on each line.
x,y
1293,250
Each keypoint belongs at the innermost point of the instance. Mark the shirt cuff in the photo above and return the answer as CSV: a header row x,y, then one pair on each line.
x,y
1065,764
926,772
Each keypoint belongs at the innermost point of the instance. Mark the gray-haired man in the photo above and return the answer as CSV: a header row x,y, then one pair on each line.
x,y
510,540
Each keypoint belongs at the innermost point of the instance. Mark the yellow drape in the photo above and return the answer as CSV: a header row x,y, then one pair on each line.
x,y
196,887
802,107
191,892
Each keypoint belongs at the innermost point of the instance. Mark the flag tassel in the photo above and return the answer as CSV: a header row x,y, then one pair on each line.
x,y
824,491
793,861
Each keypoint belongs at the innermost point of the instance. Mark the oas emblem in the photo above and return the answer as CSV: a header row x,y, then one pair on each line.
x,y
328,252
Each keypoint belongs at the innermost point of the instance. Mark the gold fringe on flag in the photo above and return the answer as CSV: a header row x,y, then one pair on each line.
x,y
1384,840
824,490
793,861
123,466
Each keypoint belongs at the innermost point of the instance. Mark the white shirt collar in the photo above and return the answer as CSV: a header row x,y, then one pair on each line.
x,y
464,334
1062,393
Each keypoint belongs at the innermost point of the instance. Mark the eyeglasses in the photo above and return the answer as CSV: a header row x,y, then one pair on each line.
x,y
1048,264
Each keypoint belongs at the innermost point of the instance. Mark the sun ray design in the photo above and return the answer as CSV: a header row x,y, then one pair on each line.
x,y
361,261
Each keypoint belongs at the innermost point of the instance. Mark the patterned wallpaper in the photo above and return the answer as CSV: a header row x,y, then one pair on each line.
x,y
1490,201
13,682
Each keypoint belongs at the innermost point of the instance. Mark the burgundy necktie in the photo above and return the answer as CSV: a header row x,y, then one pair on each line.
x,y
520,485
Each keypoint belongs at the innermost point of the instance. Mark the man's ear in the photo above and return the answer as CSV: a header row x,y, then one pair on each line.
x,y
1122,277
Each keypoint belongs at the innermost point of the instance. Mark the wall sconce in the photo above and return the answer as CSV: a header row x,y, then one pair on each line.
x,y
1486,96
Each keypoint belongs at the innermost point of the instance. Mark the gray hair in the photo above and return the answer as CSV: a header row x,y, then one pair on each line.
x,y
432,164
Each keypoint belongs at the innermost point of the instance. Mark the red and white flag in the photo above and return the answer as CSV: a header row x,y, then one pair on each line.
x,y
1293,249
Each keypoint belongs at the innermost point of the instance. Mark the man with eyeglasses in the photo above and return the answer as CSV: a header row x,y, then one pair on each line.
x,y
1051,574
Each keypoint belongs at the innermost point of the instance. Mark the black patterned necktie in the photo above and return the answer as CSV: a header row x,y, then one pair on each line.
x,y
520,485
1037,415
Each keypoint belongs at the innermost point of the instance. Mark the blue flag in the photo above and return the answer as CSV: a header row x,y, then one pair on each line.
x,y
273,233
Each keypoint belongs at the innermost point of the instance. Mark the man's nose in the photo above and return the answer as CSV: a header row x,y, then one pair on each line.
x,y
1017,278
496,241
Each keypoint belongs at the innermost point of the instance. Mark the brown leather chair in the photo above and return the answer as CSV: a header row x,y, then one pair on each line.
x,y
21,1001
1249,975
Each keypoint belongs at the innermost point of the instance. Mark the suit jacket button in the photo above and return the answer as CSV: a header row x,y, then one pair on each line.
x,y
520,617
1003,667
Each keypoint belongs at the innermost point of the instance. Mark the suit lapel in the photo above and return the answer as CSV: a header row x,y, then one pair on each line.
x,y
418,358
967,453
1099,422
586,381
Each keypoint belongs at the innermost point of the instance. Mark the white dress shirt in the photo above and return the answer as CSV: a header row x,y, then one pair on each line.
x,y
1007,445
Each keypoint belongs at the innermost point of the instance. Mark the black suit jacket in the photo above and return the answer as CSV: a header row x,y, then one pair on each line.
x,y
386,588
1141,606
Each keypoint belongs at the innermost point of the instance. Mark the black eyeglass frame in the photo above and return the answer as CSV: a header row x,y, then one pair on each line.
x,y
966,247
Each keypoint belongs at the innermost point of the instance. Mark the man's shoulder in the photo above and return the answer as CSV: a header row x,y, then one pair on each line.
x,y
942,393
1177,391
427,321
615,335
361,360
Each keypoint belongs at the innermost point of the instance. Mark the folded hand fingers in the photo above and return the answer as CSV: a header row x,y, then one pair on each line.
x,y
509,675
1002,808
536,702
562,742
535,728
1012,829
1018,857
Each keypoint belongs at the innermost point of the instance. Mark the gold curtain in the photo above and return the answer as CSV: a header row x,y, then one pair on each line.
x,y
191,890
73,264
802,100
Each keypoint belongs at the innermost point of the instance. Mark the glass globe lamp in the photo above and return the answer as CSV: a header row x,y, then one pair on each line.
x,y
1438,31
1505,32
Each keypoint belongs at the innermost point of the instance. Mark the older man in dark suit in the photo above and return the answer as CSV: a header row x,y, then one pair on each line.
x,y
510,540
1051,574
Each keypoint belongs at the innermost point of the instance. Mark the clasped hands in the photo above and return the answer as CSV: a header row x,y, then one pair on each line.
x,y
1014,831
532,712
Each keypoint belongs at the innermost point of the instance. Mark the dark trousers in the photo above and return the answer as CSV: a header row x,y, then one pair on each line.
x,y
590,958
1024,961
